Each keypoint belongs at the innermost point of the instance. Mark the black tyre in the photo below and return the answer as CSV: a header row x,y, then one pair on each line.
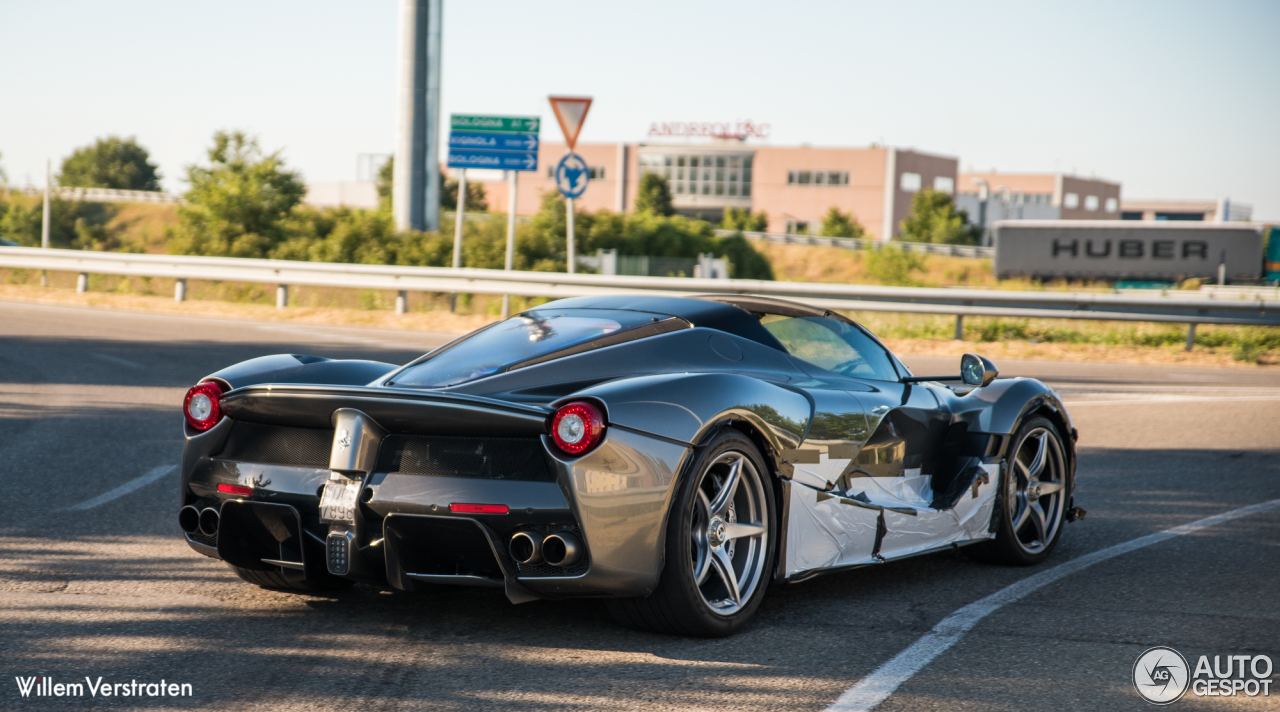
x,y
1031,504
721,543
276,580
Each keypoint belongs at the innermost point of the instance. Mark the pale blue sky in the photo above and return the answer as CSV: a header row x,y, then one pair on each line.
x,y
1173,99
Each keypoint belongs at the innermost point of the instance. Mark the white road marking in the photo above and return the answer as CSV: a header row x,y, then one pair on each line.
x,y
118,361
875,688
125,488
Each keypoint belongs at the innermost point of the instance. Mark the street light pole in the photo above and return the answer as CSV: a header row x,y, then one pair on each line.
x,y
44,224
415,192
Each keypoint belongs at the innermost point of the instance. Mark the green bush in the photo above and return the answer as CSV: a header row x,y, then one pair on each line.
x,y
892,265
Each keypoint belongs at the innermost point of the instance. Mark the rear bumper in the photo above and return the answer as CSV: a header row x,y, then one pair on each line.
x,y
614,498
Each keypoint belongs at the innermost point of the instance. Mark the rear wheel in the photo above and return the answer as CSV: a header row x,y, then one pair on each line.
x,y
720,546
1031,505
276,580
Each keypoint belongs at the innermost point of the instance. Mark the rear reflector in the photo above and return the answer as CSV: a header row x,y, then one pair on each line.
x,y
459,508
236,489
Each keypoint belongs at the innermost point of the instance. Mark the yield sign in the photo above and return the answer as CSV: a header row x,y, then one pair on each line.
x,y
571,111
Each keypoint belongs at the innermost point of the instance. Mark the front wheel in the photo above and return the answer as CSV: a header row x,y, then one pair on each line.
x,y
1031,505
719,549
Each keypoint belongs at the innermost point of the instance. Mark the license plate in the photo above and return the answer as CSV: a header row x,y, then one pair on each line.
x,y
338,502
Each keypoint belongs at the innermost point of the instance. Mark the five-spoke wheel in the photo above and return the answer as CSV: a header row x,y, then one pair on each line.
x,y
720,545
729,535
1032,504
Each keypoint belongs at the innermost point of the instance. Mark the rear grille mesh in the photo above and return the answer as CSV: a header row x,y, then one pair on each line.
x,y
521,459
278,445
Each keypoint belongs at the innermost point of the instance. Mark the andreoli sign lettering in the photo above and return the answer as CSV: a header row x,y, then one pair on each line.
x,y
710,129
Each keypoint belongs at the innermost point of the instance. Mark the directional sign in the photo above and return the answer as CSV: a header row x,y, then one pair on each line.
x,y
506,143
571,112
572,175
499,160
504,124
490,141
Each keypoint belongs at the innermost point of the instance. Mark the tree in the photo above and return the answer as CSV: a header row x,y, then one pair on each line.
x,y
934,218
4,177
838,224
477,200
238,205
654,195
111,162
745,220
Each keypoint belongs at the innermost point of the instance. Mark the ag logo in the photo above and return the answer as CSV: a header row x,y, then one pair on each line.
x,y
344,440
1161,675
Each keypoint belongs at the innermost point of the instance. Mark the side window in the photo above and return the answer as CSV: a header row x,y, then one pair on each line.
x,y
833,345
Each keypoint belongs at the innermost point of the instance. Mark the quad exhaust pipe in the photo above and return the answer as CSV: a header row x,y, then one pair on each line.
x,y
209,521
558,549
526,548
204,521
189,519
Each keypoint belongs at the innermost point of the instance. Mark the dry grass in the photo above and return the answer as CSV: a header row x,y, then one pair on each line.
x,y
145,224
836,265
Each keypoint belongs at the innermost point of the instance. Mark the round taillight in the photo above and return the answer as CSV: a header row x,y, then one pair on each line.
x,y
577,427
203,406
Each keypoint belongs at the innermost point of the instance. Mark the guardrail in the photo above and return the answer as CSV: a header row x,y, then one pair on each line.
x,y
108,195
855,243
959,302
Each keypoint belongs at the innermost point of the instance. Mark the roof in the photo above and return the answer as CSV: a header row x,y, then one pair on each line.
x,y
711,312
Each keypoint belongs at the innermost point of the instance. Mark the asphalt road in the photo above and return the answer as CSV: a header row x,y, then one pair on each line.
x,y
90,400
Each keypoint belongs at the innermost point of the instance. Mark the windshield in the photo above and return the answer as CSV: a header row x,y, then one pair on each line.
x,y
520,338
833,345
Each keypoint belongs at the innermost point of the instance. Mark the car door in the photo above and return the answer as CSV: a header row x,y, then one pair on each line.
x,y
892,470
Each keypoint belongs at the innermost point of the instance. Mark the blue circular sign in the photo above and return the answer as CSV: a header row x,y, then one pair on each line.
x,y
572,175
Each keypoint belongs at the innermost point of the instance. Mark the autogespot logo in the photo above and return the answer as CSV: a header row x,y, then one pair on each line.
x,y
1161,676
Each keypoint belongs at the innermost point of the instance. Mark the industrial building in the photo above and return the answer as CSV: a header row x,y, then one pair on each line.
x,y
795,186
1219,210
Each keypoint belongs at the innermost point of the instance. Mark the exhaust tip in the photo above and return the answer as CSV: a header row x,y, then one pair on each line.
x,y
209,521
561,549
525,548
189,519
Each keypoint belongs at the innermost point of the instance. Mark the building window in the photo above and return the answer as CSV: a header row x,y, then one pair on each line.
x,y
594,172
797,227
817,177
910,182
944,184
1112,205
1091,202
697,174
1071,200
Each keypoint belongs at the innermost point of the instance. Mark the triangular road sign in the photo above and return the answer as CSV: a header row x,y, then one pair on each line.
x,y
571,111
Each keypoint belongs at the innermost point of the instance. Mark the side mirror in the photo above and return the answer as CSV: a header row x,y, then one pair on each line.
x,y
977,371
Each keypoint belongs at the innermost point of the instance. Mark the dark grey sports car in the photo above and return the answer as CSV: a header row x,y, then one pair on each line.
x,y
673,456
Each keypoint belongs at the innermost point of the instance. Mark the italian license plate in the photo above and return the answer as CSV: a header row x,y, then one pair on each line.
x,y
338,501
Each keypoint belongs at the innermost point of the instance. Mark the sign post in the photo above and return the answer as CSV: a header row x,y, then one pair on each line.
x,y
506,143
571,112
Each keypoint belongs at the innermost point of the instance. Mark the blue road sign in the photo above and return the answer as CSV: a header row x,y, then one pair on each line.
x,y
572,175
499,160
491,141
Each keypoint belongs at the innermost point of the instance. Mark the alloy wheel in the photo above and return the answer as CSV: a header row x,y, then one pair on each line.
x,y
1036,489
729,532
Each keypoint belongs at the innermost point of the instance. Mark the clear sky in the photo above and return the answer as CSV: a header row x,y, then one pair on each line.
x,y
1173,99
